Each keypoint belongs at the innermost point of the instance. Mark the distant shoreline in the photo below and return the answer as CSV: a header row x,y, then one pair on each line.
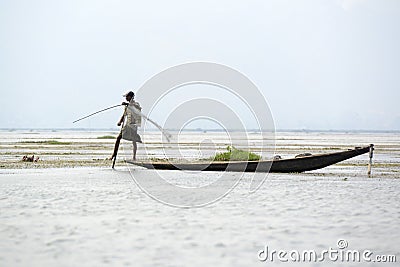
x,y
199,130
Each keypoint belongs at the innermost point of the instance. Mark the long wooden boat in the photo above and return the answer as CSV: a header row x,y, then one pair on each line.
x,y
298,164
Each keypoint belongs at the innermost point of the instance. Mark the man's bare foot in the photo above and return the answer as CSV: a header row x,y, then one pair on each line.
x,y
111,158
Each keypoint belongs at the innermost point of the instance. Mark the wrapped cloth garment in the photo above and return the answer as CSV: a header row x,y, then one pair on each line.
x,y
129,132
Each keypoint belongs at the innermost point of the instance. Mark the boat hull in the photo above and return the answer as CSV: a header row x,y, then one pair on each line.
x,y
300,164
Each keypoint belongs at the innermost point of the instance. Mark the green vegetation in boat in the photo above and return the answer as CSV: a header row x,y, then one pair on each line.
x,y
234,154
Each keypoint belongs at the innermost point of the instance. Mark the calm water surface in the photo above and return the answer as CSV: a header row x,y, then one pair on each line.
x,y
99,217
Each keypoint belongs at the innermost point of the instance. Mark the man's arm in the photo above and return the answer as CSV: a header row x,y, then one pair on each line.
x,y
121,121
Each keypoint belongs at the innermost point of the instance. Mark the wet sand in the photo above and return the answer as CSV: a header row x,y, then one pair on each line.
x,y
95,216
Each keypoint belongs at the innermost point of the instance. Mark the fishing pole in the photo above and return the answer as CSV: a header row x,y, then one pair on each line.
x,y
135,110
164,132
96,113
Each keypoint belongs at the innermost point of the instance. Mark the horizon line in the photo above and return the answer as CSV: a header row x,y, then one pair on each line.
x,y
204,130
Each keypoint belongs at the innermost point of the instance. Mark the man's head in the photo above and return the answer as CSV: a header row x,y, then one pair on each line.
x,y
129,95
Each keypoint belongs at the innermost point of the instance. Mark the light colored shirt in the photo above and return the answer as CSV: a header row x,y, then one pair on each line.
x,y
132,117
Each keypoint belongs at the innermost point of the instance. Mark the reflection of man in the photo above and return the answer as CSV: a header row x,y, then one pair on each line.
x,y
132,122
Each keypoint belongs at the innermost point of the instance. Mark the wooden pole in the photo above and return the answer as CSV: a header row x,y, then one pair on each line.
x,y
371,154
120,133
96,113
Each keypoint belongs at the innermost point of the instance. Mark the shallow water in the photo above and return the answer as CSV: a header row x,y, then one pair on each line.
x,y
97,216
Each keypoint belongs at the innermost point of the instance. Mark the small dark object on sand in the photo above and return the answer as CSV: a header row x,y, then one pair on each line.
x,y
30,159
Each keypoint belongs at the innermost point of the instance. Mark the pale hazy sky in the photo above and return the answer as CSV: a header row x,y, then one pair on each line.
x,y
321,64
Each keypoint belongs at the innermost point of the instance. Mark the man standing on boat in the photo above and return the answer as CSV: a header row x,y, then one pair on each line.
x,y
132,121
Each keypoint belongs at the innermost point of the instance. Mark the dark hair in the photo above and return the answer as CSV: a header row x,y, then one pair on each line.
x,y
131,94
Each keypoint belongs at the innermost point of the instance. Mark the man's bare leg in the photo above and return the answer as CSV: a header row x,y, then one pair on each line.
x,y
134,150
